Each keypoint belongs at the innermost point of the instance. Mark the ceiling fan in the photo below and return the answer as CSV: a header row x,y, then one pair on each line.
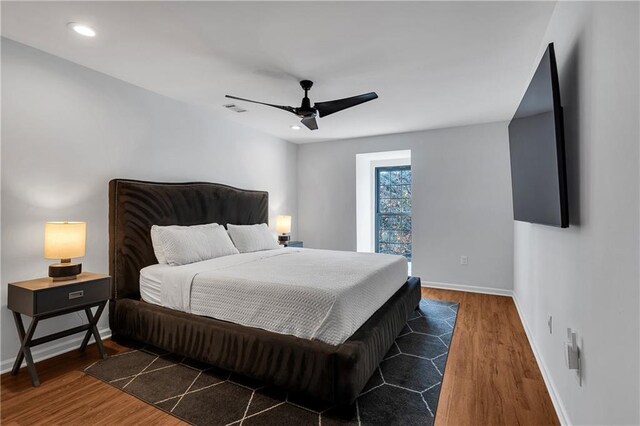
x,y
319,109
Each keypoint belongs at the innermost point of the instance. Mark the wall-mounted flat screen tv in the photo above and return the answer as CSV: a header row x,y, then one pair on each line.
x,y
536,144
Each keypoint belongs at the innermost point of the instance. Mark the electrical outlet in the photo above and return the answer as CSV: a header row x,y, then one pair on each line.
x,y
550,323
464,260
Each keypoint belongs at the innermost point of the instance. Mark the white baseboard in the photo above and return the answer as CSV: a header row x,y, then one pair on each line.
x,y
57,348
548,381
469,288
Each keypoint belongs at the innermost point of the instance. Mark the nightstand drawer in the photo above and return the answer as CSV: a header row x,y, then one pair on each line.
x,y
68,296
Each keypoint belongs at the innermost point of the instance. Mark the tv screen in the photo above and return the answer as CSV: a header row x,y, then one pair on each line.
x,y
536,144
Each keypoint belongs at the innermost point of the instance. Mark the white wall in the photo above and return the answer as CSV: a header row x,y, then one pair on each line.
x,y
67,130
461,200
587,276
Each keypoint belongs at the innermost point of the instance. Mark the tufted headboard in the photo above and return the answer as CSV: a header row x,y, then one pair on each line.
x,y
136,205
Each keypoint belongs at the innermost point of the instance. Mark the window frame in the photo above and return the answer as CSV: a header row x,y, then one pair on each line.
x,y
377,212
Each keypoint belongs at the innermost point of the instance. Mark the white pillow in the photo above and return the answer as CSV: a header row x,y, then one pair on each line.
x,y
180,245
157,244
249,238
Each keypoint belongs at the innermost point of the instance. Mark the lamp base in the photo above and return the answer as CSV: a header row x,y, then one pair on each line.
x,y
64,271
283,239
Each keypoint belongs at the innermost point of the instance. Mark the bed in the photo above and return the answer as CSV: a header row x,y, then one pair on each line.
x,y
332,369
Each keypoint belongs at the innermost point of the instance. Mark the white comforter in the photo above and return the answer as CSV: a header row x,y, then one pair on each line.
x,y
313,294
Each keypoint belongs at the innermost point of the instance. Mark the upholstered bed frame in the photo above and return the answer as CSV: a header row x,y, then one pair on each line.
x,y
335,374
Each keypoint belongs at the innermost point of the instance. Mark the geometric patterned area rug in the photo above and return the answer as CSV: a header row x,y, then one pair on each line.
x,y
404,390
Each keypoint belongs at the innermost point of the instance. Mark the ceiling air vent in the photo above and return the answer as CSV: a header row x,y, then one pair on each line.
x,y
234,107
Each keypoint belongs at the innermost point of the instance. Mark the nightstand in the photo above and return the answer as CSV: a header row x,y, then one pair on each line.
x,y
43,298
293,244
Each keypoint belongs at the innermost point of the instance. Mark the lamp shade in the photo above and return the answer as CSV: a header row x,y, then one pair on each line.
x,y
283,224
64,240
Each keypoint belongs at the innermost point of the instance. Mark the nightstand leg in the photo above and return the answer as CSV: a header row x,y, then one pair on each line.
x,y
25,350
21,333
93,321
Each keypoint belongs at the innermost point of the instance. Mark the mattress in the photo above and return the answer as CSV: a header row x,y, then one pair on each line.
x,y
150,283
312,294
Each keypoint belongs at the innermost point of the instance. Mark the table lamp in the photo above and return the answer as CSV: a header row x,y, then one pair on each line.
x,y
64,241
283,227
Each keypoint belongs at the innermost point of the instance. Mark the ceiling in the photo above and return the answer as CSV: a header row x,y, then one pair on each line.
x,y
433,64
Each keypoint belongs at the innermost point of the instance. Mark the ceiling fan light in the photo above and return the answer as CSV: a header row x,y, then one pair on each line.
x,y
295,127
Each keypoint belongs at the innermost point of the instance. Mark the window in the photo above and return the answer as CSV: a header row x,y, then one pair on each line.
x,y
393,210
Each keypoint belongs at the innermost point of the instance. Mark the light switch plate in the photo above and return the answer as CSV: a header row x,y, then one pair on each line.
x,y
573,355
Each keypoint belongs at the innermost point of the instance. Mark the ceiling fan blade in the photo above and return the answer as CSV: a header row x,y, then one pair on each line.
x,y
310,122
286,108
329,107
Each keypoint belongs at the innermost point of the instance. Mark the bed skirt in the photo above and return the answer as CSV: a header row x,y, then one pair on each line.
x,y
335,374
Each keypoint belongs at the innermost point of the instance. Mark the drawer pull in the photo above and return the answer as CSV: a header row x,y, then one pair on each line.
x,y
76,294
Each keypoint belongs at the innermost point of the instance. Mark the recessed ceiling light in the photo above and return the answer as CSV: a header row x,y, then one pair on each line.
x,y
82,29
295,127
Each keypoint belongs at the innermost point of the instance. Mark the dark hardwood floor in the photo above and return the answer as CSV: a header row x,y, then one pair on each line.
x,y
491,378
